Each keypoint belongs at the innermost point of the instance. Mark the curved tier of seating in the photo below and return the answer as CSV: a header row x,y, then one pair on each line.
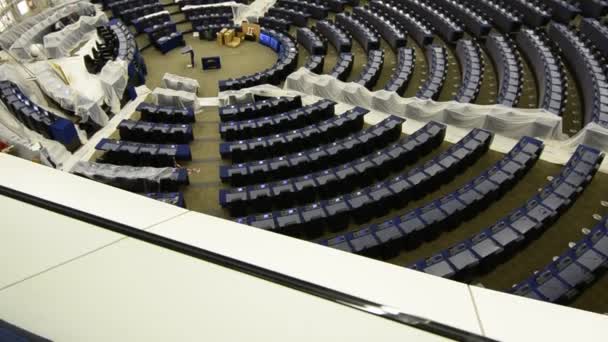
x,y
315,63
418,29
286,48
533,14
471,64
364,35
155,113
311,41
447,28
328,130
317,11
141,23
258,109
547,68
166,37
151,132
400,78
38,119
343,67
134,178
395,36
293,119
437,58
593,8
297,164
564,277
372,69
132,13
475,22
120,152
425,223
173,198
185,4
503,19
496,242
325,183
127,50
207,21
374,200
207,15
377,199
103,52
275,23
508,67
587,70
596,33
335,35
298,17
562,10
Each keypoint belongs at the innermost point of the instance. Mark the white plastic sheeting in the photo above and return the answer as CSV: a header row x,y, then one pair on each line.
x,y
254,11
97,170
61,43
176,82
50,152
511,122
66,96
592,134
174,98
114,78
44,23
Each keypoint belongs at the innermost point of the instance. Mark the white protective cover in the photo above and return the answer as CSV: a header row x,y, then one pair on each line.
x,y
61,43
114,78
176,82
45,21
592,134
98,170
17,133
68,98
174,98
511,122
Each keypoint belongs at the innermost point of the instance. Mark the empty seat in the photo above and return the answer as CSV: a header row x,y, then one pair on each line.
x,y
293,119
394,36
154,113
367,38
547,68
438,68
373,200
372,69
508,67
400,78
447,28
143,131
425,222
567,274
343,67
258,109
330,155
342,178
296,140
472,66
495,243
420,31
587,69
335,35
